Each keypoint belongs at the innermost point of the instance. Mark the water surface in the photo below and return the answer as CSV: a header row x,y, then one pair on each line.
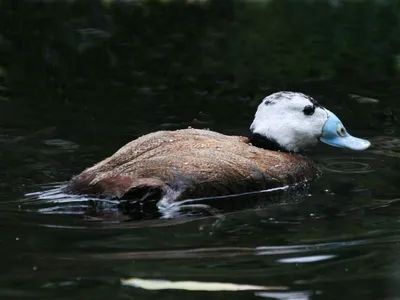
x,y
79,80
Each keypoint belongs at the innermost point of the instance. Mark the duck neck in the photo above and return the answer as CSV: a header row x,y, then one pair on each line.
x,y
264,142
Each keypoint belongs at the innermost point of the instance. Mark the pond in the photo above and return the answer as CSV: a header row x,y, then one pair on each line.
x,y
79,79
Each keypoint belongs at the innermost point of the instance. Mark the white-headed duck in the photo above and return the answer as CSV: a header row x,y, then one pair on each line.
x,y
187,163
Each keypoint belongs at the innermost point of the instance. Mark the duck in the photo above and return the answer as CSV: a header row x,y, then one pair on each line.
x,y
190,163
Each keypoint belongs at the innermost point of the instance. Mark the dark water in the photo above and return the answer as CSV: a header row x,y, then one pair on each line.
x,y
80,79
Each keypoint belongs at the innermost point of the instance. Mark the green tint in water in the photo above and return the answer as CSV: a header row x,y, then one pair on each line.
x,y
79,79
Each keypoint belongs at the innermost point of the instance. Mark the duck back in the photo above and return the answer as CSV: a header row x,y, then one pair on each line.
x,y
189,163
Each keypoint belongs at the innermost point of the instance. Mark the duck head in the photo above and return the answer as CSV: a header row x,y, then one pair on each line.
x,y
293,122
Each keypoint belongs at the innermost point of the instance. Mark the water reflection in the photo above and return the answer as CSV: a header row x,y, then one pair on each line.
x,y
295,295
157,284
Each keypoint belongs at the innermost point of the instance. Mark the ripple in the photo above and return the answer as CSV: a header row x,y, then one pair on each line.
x,y
228,252
62,144
386,145
53,200
350,166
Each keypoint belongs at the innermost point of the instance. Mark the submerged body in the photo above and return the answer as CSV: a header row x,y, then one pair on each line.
x,y
173,165
191,163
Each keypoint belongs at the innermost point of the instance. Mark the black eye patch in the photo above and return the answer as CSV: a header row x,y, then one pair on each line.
x,y
309,110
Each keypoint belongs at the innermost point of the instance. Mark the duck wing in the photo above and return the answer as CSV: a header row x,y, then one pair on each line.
x,y
190,163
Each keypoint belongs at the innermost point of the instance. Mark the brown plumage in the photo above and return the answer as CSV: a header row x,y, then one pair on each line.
x,y
190,163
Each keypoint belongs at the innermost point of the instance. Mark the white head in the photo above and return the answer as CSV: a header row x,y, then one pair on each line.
x,y
295,121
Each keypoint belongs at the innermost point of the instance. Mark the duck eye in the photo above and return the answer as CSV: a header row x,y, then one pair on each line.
x,y
340,130
309,110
